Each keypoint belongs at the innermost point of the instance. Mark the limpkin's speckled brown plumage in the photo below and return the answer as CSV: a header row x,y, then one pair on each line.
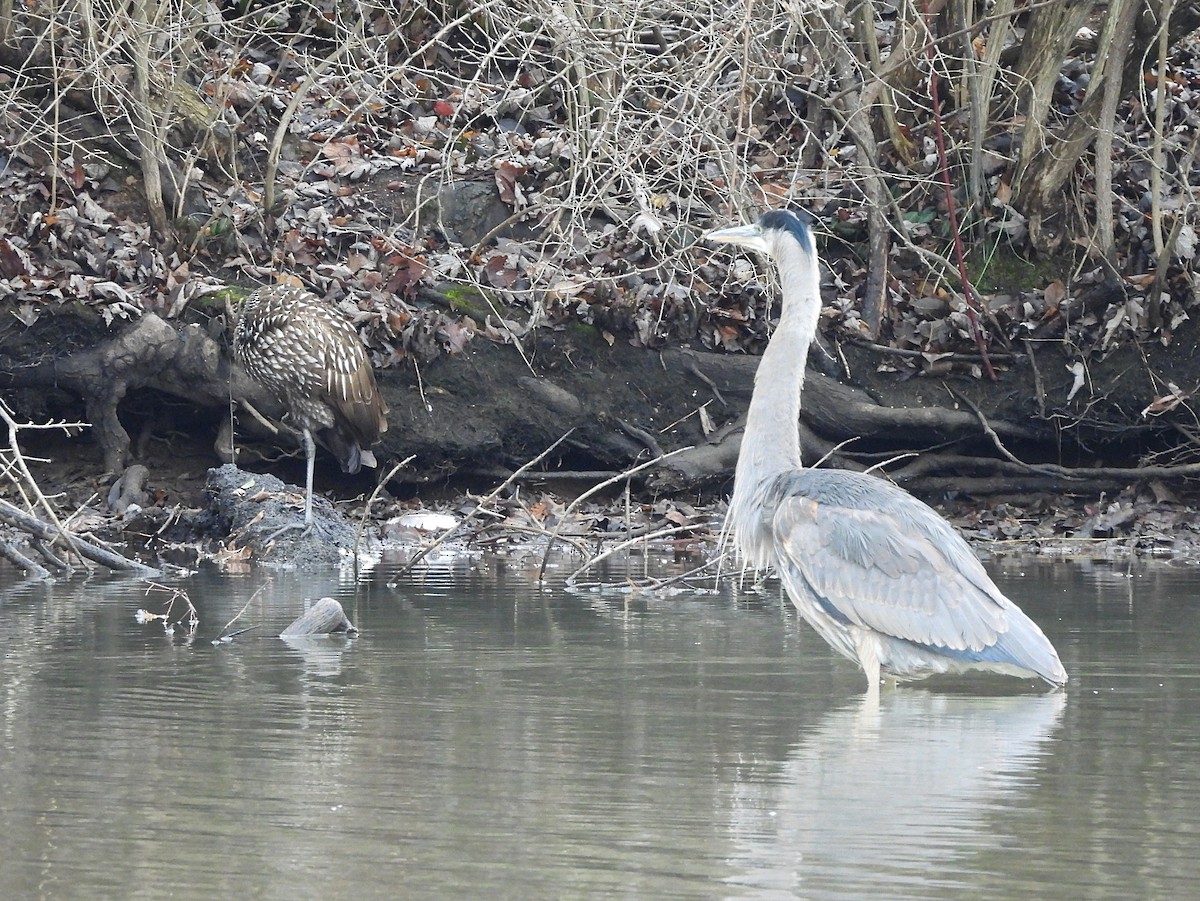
x,y
309,356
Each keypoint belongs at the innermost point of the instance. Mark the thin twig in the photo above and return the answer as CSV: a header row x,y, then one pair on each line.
x,y
176,594
600,487
657,584
1038,386
1057,471
29,482
221,636
449,533
952,357
889,461
939,134
362,522
285,119
483,535
660,533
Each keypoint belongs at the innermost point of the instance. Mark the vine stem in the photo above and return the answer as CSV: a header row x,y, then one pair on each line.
x,y
939,135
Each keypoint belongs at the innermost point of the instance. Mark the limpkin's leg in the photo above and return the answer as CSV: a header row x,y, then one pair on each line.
x,y
310,453
310,458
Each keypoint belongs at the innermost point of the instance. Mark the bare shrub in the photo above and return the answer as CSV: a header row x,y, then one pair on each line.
x,y
614,132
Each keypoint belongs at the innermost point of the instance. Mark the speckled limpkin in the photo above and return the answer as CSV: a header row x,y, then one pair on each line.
x,y
310,358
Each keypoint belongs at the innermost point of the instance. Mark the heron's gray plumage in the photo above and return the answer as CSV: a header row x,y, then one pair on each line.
x,y
311,359
880,575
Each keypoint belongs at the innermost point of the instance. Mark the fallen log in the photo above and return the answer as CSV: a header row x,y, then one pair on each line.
x,y
15,517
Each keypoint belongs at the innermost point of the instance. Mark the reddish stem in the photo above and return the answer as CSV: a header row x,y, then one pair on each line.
x,y
939,136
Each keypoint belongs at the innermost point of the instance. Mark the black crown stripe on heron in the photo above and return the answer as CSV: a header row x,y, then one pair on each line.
x,y
310,358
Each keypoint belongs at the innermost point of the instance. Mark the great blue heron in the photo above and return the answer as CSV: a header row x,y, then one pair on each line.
x,y
312,360
879,574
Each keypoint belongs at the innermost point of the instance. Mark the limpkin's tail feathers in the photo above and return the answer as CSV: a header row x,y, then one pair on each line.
x,y
350,455
359,418
354,399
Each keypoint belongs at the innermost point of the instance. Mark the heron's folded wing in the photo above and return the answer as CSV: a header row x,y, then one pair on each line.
x,y
900,570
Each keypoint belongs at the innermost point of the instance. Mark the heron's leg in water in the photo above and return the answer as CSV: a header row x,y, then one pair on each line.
x,y
866,646
310,457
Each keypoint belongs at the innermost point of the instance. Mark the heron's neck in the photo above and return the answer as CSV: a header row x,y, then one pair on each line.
x,y
771,442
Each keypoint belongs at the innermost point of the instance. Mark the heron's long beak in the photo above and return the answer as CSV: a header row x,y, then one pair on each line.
x,y
745,235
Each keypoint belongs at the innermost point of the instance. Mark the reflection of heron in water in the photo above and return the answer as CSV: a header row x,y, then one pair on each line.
x,y
893,800
880,575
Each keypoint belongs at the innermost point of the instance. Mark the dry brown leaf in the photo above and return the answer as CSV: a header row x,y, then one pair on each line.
x,y
456,336
1055,293
507,173
1166,402
498,271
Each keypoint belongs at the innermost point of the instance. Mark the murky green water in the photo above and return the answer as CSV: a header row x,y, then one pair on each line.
x,y
484,738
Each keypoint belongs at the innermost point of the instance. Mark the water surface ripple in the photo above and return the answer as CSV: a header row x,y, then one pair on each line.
x,y
485,737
